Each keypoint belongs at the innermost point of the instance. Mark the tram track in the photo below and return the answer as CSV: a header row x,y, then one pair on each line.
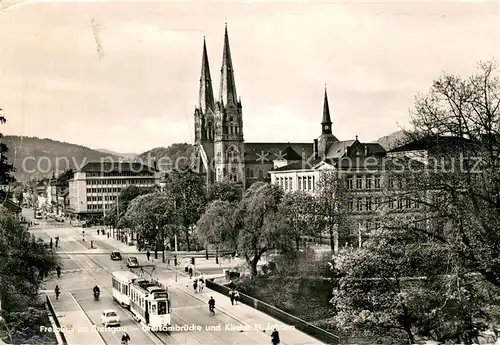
x,y
155,338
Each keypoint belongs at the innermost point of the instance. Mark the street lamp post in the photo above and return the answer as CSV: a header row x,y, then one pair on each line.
x,y
175,256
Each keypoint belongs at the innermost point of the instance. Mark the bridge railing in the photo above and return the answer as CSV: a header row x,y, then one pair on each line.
x,y
279,314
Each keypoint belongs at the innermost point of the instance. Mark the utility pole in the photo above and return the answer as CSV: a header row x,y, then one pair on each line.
x,y
175,255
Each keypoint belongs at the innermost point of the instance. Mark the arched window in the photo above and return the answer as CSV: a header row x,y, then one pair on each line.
x,y
232,154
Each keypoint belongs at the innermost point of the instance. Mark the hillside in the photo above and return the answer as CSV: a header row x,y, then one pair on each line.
x,y
392,140
176,156
119,154
35,157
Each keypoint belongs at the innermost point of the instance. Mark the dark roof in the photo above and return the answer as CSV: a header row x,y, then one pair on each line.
x,y
115,166
302,165
429,143
273,151
291,155
374,148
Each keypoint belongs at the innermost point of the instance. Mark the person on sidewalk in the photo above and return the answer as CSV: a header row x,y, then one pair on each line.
x,y
275,337
51,244
195,285
231,296
201,285
57,291
236,296
190,271
148,254
58,270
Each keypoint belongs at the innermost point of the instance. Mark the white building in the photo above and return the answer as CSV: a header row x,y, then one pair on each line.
x,y
96,186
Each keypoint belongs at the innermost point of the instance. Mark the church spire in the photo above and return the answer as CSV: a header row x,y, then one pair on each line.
x,y
227,84
206,97
326,123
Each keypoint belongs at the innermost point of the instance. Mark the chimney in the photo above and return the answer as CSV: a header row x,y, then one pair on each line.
x,y
315,149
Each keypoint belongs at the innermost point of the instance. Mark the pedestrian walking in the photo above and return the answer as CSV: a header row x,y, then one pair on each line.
x,y
58,270
148,254
190,271
51,244
231,296
236,296
195,285
201,285
57,291
125,338
275,337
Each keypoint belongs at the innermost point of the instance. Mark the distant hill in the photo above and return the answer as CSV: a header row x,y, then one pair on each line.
x,y
124,155
392,140
36,158
176,156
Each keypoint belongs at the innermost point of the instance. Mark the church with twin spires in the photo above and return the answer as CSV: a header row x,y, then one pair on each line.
x,y
220,150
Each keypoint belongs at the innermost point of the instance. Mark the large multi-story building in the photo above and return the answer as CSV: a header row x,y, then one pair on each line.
x,y
95,187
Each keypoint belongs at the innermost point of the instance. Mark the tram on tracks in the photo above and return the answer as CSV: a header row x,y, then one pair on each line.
x,y
148,301
121,286
150,304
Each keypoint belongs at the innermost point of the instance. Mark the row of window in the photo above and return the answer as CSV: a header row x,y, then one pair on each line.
x,y
370,182
119,181
122,288
305,183
118,173
99,198
372,203
111,190
94,207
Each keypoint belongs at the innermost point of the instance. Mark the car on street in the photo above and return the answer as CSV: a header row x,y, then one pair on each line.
x,y
109,317
132,262
115,256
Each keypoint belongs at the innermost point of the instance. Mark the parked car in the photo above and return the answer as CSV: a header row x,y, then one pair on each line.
x,y
110,317
115,256
132,262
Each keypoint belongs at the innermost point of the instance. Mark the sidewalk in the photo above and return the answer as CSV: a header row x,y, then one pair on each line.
x,y
75,324
249,317
200,263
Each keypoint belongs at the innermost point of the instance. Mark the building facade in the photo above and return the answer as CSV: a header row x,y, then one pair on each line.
x,y
96,186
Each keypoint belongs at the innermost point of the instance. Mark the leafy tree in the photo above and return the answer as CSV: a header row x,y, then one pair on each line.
x,y
226,191
399,286
23,261
189,193
6,169
297,215
117,211
458,193
332,199
216,227
255,221
152,216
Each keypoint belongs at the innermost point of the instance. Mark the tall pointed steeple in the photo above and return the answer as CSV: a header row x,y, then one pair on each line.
x,y
227,84
326,123
206,97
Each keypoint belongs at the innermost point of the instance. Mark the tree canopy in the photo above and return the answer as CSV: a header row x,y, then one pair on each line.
x,y
152,217
216,225
226,191
188,191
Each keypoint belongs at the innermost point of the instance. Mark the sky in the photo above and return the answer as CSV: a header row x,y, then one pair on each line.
x,y
124,75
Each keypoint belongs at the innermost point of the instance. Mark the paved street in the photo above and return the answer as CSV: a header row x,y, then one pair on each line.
x,y
83,268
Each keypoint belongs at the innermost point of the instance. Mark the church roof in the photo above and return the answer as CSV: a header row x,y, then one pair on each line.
x,y
227,93
268,152
339,148
303,165
206,96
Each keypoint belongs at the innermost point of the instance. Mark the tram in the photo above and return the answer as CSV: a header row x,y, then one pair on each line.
x,y
150,304
121,286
